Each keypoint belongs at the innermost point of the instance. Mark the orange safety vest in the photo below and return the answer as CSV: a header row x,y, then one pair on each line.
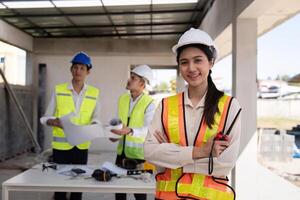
x,y
173,183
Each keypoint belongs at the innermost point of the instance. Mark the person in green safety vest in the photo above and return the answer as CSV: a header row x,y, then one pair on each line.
x,y
135,110
75,96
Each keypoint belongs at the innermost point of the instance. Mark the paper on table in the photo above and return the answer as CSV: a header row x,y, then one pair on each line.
x,y
77,134
66,169
113,168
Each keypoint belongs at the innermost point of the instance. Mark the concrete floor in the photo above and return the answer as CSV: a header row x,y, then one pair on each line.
x,y
257,182
15,166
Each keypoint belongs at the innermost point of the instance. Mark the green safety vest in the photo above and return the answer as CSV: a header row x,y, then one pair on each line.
x,y
131,145
65,105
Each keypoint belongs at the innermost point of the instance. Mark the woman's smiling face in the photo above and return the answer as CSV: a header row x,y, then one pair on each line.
x,y
194,66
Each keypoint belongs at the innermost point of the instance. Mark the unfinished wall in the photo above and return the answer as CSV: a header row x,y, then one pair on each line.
x,y
14,139
111,61
285,108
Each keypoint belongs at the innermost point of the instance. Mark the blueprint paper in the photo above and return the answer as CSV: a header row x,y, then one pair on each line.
x,y
78,134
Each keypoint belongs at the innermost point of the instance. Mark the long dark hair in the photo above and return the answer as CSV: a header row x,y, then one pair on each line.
x,y
213,94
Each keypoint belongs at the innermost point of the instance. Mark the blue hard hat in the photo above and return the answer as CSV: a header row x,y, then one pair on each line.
x,y
82,58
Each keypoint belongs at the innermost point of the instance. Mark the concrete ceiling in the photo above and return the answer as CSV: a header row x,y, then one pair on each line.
x,y
269,14
159,21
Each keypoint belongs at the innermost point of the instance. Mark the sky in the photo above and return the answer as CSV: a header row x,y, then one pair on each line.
x,y
278,53
279,50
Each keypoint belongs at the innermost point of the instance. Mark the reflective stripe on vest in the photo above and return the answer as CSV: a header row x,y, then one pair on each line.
x,y
172,183
60,139
133,145
63,94
65,105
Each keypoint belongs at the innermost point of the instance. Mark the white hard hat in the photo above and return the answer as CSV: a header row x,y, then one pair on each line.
x,y
194,36
144,71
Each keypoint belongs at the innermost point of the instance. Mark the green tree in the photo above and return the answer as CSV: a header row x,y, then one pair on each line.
x,y
162,87
173,85
282,77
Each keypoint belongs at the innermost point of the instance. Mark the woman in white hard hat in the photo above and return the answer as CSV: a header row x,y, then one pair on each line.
x,y
135,109
181,139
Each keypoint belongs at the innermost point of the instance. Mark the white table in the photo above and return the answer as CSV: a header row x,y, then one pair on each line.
x,y
35,179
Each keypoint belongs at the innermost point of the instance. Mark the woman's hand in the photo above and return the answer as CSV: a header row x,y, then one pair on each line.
x,y
217,147
123,131
54,122
160,137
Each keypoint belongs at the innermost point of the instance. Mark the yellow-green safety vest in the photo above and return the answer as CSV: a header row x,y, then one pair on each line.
x,y
133,145
65,105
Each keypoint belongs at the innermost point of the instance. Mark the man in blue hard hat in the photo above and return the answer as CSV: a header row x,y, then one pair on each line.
x,y
75,96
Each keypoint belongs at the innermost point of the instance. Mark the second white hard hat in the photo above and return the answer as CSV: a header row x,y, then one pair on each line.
x,y
194,36
144,71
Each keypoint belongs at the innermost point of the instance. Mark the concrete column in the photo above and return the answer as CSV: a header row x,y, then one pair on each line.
x,y
30,82
244,88
244,61
29,69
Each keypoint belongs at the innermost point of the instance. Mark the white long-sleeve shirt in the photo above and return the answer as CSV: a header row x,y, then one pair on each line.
x,y
77,98
148,115
170,155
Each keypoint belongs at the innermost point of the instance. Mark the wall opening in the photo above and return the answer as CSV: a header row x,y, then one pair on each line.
x,y
13,64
